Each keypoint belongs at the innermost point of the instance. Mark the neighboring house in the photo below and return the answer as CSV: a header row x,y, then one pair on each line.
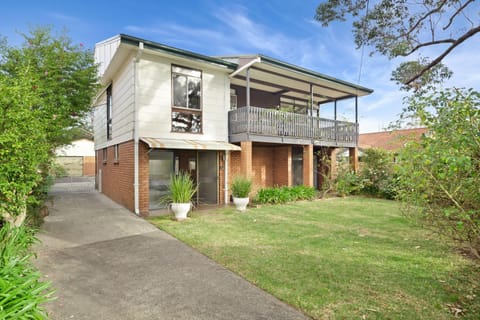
x,y
163,110
390,140
77,158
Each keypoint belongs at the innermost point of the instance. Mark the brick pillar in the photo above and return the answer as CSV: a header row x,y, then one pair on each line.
x,y
353,155
143,179
333,162
308,165
246,158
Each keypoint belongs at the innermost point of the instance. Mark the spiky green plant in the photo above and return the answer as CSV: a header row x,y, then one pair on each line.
x,y
182,188
21,291
241,187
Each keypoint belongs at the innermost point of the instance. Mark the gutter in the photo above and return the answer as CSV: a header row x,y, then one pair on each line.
x,y
136,139
245,66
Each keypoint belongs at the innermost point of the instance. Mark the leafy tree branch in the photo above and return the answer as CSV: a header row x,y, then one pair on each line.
x,y
402,28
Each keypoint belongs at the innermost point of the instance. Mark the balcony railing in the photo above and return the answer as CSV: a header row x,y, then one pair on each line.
x,y
261,124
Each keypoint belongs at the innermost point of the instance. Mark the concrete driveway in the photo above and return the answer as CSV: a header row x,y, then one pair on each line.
x,y
106,263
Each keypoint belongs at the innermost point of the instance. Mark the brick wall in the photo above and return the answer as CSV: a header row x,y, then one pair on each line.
x,y
262,164
234,168
282,166
234,164
143,178
271,165
118,175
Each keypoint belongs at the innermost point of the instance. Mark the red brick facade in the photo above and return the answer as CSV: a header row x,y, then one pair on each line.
x,y
117,175
282,166
270,165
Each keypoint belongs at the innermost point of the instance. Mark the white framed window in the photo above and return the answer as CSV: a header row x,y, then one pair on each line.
x,y
186,100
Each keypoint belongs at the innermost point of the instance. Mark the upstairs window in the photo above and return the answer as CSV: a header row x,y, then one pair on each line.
x,y
187,100
109,112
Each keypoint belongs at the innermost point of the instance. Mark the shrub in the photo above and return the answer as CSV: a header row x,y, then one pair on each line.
x,y
302,192
377,173
347,183
279,195
22,292
440,174
273,195
241,187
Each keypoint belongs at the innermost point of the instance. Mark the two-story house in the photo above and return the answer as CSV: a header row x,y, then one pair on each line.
x,y
163,110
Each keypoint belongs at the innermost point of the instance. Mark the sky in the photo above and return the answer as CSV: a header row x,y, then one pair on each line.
x,y
281,29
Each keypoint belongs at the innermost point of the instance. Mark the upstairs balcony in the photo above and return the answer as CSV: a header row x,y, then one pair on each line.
x,y
274,126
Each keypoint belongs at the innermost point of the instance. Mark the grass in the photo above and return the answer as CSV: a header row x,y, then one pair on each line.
x,y
352,258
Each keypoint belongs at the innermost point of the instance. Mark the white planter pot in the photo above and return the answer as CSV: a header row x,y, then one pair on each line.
x,y
180,210
241,203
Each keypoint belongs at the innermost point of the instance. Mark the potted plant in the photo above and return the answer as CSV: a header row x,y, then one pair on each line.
x,y
182,188
241,187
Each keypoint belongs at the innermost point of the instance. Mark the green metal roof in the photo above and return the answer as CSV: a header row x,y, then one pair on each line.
x,y
175,51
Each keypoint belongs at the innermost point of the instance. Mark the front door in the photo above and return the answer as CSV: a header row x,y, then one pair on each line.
x,y
207,177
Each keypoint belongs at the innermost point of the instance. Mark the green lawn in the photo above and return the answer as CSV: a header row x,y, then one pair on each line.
x,y
343,258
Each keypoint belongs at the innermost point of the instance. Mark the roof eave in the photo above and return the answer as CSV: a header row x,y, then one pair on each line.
x,y
308,72
155,46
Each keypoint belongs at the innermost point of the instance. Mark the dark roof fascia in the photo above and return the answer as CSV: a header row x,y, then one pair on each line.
x,y
308,72
175,51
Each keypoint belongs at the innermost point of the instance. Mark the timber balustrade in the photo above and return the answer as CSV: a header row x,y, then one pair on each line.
x,y
274,123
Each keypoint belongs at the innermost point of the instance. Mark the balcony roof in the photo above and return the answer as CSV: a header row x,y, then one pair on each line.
x,y
279,77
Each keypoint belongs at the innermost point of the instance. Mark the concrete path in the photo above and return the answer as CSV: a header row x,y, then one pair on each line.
x,y
106,263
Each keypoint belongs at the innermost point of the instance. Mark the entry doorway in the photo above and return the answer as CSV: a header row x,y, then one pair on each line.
x,y
207,177
201,165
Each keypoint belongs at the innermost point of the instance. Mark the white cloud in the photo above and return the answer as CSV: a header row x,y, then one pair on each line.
x,y
234,31
63,17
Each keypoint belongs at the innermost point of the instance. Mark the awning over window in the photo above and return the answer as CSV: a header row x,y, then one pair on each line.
x,y
189,144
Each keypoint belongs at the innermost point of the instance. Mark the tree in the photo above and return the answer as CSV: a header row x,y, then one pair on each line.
x,y
440,175
65,75
46,86
23,146
405,29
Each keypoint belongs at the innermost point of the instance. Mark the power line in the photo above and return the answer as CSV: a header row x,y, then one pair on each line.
x,y
363,44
